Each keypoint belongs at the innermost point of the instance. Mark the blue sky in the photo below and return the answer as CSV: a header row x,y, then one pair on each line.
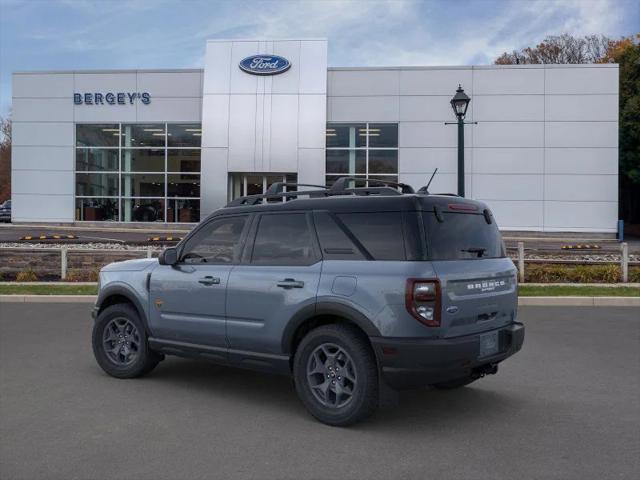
x,y
104,34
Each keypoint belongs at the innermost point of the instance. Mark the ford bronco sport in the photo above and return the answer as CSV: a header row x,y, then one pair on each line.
x,y
341,287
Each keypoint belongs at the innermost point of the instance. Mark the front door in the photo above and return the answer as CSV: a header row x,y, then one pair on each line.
x,y
278,278
187,300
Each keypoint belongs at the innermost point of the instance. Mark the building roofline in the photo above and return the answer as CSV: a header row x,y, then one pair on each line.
x,y
479,67
117,70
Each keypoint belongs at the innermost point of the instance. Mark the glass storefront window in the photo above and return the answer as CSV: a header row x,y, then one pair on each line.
x,y
97,185
184,135
142,160
183,211
346,161
183,185
144,135
183,161
142,185
96,160
149,172
346,136
362,149
143,209
103,135
96,209
242,184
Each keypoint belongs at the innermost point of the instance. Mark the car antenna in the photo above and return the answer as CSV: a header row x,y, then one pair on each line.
x,y
425,189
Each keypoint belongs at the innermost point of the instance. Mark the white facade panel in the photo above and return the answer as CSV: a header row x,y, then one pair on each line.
x,y
42,208
46,134
508,81
311,166
313,114
581,216
214,167
435,81
242,133
288,82
171,110
42,110
584,188
369,83
375,109
106,82
509,160
428,108
508,108
43,85
508,187
283,153
44,182
518,215
426,160
105,113
509,134
582,134
429,134
589,80
580,108
217,132
218,79
442,183
171,84
595,161
241,82
43,158
313,56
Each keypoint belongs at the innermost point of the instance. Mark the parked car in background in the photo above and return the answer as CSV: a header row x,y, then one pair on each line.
x,y
5,211
342,288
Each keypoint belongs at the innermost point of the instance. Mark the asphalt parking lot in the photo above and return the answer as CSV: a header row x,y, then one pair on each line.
x,y
568,406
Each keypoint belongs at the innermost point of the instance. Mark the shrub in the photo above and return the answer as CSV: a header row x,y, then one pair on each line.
x,y
634,274
27,275
551,273
80,275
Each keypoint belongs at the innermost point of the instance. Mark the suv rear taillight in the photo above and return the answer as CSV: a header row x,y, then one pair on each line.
x,y
422,299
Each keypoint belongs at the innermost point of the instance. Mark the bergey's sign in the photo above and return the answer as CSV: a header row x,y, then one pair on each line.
x,y
265,64
110,98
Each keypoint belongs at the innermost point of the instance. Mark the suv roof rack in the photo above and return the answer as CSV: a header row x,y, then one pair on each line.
x,y
276,192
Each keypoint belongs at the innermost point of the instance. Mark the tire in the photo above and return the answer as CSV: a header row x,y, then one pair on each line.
x,y
130,355
353,395
453,384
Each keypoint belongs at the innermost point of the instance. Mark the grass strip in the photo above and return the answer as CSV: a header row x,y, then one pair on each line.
x,y
48,289
573,291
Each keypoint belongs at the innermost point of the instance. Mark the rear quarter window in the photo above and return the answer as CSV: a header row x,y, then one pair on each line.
x,y
381,234
462,236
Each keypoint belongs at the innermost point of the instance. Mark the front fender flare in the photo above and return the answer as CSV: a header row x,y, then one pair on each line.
x,y
122,289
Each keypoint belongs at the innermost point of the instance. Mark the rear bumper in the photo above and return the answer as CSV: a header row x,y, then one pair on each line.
x,y
407,363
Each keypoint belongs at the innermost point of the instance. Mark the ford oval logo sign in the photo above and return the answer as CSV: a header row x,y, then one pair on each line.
x,y
265,64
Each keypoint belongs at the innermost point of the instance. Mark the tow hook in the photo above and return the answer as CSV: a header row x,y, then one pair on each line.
x,y
489,369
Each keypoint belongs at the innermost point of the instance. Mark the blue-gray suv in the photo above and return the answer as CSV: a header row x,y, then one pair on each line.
x,y
347,289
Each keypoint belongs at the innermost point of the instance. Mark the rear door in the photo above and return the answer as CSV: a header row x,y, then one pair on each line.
x,y
278,277
188,299
478,282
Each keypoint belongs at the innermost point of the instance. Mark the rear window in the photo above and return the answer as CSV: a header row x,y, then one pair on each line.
x,y
462,236
379,233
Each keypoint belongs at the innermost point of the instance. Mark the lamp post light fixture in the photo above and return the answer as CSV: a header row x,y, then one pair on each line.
x,y
459,104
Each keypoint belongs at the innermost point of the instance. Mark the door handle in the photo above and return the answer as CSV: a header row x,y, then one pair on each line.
x,y
290,283
209,280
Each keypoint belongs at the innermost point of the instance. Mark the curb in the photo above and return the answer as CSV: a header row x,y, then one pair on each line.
x,y
579,301
522,301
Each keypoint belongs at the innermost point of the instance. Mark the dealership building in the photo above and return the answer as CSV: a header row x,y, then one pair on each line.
x,y
171,146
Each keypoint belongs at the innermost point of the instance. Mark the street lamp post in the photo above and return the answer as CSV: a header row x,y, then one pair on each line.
x,y
460,103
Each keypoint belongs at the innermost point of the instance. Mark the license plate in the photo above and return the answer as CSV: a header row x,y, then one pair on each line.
x,y
489,344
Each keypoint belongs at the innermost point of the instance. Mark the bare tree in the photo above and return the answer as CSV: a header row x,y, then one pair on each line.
x,y
5,158
563,48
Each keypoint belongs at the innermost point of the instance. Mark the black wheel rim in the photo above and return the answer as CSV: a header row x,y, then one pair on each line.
x,y
331,375
121,341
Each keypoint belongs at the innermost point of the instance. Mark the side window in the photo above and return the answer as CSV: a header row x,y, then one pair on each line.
x,y
218,242
334,242
284,239
381,234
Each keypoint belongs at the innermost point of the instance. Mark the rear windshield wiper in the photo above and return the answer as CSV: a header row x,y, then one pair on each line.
x,y
478,251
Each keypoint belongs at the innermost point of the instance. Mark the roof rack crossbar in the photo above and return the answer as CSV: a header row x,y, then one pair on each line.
x,y
278,187
341,184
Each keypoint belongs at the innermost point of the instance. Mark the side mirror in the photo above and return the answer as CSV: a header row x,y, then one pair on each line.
x,y
169,256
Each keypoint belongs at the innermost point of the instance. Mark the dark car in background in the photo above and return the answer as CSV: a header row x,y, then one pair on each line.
x,y
5,211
